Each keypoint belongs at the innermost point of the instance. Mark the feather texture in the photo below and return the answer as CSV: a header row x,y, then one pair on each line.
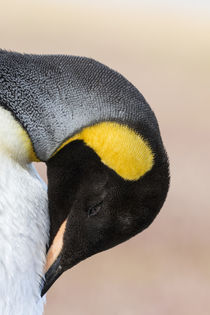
x,y
23,224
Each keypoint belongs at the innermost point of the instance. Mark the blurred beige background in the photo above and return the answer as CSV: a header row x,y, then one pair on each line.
x,y
162,47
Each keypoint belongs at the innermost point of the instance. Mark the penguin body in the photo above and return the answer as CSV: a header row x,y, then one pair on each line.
x,y
108,171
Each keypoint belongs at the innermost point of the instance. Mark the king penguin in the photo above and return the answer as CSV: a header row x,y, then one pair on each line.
x,y
107,168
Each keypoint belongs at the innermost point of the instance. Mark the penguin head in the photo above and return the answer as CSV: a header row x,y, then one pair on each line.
x,y
108,180
92,206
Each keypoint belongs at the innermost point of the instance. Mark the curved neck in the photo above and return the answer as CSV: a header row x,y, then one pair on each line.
x,y
23,223
55,97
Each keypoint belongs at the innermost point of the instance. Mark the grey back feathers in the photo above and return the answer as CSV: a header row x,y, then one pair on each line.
x,y
54,96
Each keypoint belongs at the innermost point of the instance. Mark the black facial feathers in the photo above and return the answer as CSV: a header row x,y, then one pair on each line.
x,y
101,208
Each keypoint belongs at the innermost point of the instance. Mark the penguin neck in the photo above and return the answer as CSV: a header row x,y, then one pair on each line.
x,y
24,223
14,141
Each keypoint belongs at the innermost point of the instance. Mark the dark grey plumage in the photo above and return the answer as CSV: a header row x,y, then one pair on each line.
x,y
54,96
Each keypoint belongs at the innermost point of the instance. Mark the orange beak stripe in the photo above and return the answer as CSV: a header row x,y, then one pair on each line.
x,y
56,247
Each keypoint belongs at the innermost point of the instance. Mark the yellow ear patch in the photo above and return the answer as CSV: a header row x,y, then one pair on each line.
x,y
119,147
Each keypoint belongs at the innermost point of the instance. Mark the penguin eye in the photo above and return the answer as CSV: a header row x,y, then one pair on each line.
x,y
95,209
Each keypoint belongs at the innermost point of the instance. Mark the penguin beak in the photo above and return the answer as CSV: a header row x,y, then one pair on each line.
x,y
53,268
52,275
